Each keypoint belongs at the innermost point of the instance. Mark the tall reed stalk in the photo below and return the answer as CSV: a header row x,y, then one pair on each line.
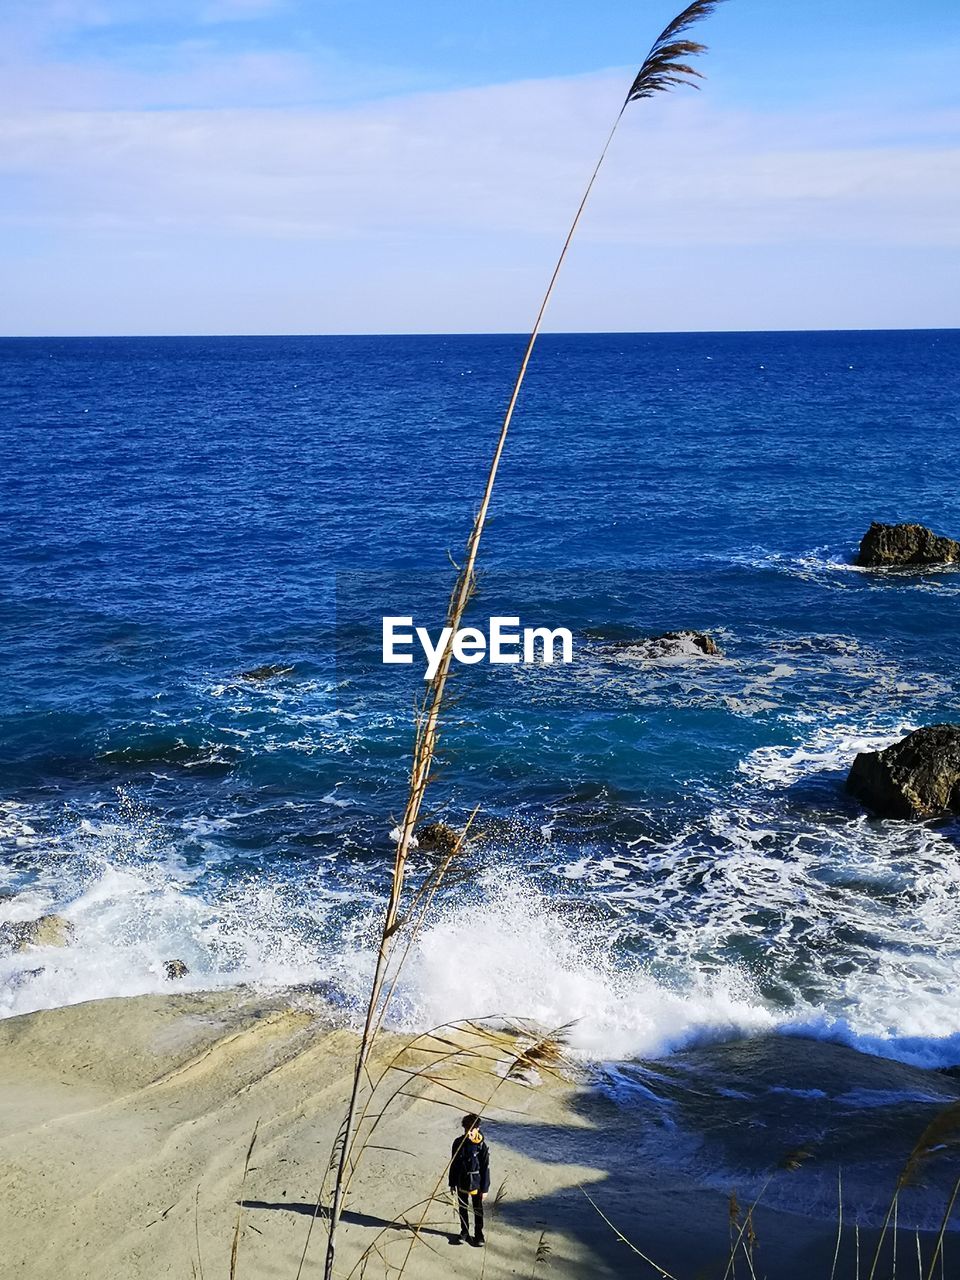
x,y
665,67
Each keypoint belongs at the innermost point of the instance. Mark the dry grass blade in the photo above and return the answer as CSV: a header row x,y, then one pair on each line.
x,y
664,1275
306,1244
733,1222
948,1213
856,1238
665,67
196,1233
836,1252
235,1248
896,1237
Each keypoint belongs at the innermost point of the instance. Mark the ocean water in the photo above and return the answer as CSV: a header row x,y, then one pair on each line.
x,y
667,854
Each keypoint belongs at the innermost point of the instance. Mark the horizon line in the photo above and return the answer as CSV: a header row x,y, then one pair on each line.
x,y
477,333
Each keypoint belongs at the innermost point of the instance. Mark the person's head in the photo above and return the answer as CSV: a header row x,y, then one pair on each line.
x,y
470,1122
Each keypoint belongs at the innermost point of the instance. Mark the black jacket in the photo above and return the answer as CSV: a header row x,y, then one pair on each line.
x,y
470,1165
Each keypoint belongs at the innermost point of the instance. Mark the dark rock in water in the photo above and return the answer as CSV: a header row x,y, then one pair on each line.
x,y
670,644
918,777
46,931
269,671
682,641
437,837
889,545
174,969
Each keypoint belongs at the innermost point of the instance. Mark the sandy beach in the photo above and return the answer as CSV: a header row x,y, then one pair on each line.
x,y
125,1125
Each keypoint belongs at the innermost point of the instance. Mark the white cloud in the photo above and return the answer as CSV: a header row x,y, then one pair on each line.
x,y
507,159
238,10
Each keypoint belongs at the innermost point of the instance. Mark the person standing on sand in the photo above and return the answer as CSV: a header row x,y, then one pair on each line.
x,y
470,1178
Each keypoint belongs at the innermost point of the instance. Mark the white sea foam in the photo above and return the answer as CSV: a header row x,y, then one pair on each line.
x,y
516,954
828,749
748,902
832,565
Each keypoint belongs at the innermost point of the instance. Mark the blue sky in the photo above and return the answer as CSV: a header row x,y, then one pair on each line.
x,y
271,166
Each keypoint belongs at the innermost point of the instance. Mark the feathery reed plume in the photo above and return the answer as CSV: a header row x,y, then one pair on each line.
x,y
664,68
542,1255
752,1240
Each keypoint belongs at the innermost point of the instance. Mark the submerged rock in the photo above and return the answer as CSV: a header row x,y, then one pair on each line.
x,y
669,644
437,837
46,931
681,642
174,969
889,545
269,671
918,777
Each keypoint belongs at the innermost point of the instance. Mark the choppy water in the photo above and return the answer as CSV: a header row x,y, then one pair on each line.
x,y
668,854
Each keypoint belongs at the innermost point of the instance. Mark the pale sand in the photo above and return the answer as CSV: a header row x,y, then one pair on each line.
x,y
113,1113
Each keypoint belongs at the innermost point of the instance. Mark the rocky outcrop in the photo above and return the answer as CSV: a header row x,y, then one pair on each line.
x,y
46,931
437,837
269,671
175,969
681,642
918,777
669,644
891,545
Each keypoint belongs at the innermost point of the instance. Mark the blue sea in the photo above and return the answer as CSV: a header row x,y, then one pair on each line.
x,y
666,853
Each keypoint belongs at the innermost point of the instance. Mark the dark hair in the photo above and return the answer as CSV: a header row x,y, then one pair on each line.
x,y
470,1122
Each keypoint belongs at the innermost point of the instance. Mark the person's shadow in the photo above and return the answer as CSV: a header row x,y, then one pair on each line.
x,y
347,1215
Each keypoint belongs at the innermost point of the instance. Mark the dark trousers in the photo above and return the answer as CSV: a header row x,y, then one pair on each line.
x,y
464,1200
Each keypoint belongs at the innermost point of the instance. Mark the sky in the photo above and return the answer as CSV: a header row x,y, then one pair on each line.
x,y
372,166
